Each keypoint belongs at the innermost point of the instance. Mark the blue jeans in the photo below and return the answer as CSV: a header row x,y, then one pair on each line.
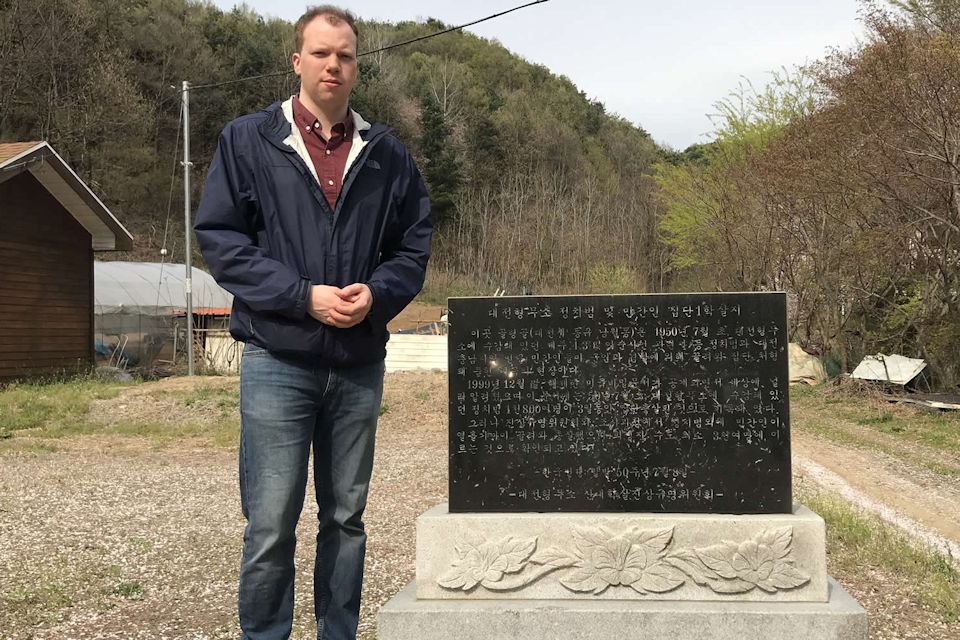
x,y
286,407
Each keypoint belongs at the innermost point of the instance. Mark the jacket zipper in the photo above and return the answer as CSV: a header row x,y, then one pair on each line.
x,y
352,173
346,184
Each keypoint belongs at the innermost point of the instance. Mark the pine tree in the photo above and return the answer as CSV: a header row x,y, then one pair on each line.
x,y
442,171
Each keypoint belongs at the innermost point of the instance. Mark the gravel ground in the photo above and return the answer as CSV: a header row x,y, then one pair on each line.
x,y
122,538
125,537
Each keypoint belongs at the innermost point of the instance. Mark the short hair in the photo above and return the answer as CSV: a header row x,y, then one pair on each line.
x,y
334,15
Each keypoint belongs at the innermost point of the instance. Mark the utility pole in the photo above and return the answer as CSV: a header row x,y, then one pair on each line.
x,y
188,283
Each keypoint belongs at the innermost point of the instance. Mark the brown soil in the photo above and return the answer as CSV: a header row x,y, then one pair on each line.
x,y
415,316
122,537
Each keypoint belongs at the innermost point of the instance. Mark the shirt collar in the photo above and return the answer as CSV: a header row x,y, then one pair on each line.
x,y
359,124
306,122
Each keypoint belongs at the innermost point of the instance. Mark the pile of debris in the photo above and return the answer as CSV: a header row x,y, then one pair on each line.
x,y
898,378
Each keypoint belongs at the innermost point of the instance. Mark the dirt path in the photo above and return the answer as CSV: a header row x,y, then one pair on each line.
x,y
901,496
886,476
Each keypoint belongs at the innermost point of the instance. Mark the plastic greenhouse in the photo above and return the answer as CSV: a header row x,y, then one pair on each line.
x,y
140,314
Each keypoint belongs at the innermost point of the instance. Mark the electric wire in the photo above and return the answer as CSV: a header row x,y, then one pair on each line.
x,y
173,178
368,53
462,26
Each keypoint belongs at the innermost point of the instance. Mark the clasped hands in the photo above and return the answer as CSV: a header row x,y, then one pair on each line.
x,y
340,308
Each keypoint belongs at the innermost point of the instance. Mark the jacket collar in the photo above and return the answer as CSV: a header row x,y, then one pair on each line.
x,y
279,129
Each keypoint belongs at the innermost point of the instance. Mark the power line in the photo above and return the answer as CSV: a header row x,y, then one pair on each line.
x,y
238,80
463,26
166,223
173,171
369,53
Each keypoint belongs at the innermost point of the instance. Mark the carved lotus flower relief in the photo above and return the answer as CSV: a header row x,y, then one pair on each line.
x,y
764,562
634,559
486,563
637,558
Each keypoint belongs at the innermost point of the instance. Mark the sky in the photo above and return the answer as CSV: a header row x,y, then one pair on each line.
x,y
661,65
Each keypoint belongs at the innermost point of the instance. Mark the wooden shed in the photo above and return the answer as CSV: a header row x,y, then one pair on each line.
x,y
51,224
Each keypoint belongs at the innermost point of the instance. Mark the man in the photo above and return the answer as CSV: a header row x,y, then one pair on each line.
x,y
319,224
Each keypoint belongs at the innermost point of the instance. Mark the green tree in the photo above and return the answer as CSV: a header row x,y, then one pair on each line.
x,y
716,221
442,166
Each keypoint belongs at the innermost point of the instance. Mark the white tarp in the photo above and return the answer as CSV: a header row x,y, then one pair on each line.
x,y
153,289
893,369
805,367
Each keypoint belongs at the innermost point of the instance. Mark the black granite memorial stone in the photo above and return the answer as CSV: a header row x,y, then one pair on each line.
x,y
655,403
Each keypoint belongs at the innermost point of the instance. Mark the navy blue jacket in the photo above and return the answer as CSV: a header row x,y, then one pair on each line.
x,y
268,234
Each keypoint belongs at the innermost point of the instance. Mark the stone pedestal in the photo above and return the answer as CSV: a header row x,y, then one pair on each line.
x,y
621,576
635,556
407,618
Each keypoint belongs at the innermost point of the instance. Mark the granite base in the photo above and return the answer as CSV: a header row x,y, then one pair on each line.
x,y
406,618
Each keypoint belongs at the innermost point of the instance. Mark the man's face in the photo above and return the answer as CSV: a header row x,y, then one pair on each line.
x,y
327,63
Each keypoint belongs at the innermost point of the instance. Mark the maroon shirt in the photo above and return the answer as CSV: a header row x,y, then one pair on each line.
x,y
329,153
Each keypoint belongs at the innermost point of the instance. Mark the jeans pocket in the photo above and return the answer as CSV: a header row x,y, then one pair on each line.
x,y
253,350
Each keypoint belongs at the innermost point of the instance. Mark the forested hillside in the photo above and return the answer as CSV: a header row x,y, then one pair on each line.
x,y
839,183
533,185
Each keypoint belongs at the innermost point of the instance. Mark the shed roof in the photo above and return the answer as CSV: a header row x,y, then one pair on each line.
x,y
65,185
11,149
